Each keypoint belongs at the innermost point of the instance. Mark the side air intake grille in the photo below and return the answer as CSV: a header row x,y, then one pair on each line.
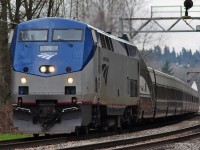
x,y
103,42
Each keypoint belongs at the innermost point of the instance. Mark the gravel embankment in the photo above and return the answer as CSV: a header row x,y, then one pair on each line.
x,y
187,145
195,144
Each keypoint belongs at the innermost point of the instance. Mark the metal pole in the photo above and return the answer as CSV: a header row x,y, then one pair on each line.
x,y
181,11
77,3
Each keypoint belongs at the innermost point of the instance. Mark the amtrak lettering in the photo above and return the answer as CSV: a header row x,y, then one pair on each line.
x,y
47,55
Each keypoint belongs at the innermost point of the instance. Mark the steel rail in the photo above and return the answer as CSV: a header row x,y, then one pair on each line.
x,y
31,141
161,142
26,144
63,138
121,142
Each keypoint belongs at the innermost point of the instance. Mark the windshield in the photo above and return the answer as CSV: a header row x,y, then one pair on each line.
x,y
33,35
67,35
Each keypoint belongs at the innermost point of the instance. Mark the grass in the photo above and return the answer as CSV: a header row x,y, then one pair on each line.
x,y
13,136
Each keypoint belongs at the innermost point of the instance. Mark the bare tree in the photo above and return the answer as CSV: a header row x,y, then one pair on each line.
x,y
22,10
106,13
77,9
14,13
4,56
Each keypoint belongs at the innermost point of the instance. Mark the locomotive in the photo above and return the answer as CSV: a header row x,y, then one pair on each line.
x,y
68,76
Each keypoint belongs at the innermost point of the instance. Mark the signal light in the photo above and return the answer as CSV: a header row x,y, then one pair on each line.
x,y
188,4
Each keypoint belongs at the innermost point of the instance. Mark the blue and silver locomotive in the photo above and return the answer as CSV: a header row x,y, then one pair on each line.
x,y
68,76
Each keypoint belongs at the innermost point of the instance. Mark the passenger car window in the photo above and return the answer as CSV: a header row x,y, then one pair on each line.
x,y
67,35
33,35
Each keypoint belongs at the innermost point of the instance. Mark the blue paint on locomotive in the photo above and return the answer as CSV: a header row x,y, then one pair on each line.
x,y
74,54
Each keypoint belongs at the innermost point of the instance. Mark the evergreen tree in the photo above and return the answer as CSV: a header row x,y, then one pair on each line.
x,y
196,58
173,56
184,57
158,51
166,68
166,54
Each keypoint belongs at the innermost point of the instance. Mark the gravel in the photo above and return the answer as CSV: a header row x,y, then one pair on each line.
x,y
193,145
188,145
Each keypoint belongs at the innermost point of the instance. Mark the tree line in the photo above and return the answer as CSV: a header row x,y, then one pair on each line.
x,y
184,58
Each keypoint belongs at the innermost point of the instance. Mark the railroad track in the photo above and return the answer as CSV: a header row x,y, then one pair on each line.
x,y
143,141
160,142
31,141
47,140
64,138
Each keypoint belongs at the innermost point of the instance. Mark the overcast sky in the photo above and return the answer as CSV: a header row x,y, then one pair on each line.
x,y
179,40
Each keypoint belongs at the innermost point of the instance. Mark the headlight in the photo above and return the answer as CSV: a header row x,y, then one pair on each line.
x,y
23,80
43,69
51,69
70,80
